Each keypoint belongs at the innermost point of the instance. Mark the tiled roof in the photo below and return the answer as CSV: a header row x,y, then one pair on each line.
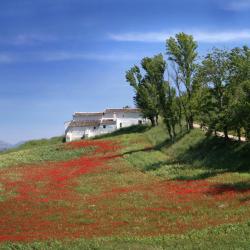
x,y
84,123
95,123
88,113
126,110
108,122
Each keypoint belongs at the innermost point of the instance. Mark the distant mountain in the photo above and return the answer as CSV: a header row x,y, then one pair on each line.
x,y
18,144
5,145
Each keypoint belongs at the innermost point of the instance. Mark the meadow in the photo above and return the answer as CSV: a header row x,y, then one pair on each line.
x,y
133,189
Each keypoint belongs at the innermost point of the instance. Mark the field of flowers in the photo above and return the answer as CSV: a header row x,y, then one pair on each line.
x,y
127,185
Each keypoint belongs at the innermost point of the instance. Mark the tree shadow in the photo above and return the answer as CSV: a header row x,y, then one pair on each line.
x,y
154,166
168,142
218,154
164,144
149,149
200,176
212,155
238,187
245,199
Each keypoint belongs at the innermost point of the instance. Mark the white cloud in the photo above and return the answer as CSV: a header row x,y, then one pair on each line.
x,y
238,5
140,37
65,56
200,36
54,56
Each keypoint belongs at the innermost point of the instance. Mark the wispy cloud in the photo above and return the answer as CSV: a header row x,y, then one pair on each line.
x,y
238,5
200,36
27,39
56,56
66,56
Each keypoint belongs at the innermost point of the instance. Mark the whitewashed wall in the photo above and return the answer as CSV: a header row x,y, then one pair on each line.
x,y
123,119
100,130
77,133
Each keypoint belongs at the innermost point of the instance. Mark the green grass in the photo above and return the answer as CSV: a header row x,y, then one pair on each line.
x,y
40,151
148,157
232,236
192,156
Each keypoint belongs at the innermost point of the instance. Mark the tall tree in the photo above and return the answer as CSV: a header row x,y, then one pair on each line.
x,y
181,50
215,71
154,73
239,62
153,94
146,95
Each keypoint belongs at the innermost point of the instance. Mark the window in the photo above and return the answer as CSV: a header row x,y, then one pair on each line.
x,y
120,125
104,126
140,122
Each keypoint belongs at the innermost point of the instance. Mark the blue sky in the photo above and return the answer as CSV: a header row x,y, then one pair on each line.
x,y
62,56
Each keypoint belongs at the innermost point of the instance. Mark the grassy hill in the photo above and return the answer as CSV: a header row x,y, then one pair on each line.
x,y
132,189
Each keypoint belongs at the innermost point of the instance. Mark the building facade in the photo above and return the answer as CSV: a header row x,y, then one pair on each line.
x,y
90,124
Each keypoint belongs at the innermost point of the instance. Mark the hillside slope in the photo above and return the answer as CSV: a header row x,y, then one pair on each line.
x,y
132,189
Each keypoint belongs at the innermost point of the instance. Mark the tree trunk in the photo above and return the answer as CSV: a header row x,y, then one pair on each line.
x,y
157,120
167,123
174,133
247,134
187,124
226,133
191,122
152,119
170,132
180,123
239,134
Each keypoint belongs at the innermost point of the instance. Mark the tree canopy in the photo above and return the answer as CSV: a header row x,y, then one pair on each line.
x,y
214,92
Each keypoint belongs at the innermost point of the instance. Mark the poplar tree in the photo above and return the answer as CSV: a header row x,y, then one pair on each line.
x,y
181,50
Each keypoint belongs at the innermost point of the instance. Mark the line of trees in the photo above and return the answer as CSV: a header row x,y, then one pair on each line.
x,y
213,91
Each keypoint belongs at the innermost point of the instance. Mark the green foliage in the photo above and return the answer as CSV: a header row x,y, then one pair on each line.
x,y
146,97
214,70
239,95
182,51
154,95
222,96
215,92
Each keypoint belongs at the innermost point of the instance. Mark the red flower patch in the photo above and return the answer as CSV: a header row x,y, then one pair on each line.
x,y
43,202
26,216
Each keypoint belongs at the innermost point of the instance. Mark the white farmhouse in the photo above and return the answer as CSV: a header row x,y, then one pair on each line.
x,y
90,124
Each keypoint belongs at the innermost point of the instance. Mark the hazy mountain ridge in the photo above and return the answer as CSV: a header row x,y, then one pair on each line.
x,y
5,145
